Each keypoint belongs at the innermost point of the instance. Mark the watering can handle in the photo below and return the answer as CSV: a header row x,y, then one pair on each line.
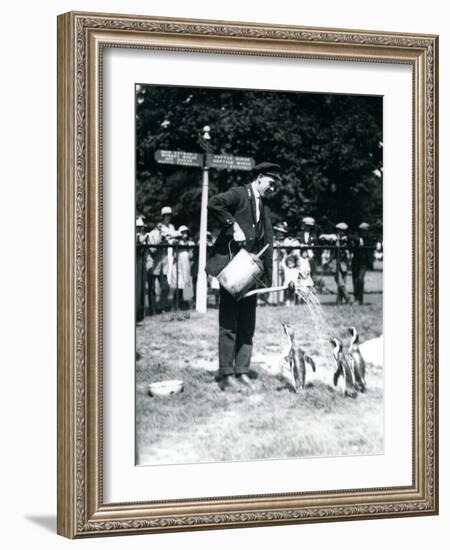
x,y
260,253
229,248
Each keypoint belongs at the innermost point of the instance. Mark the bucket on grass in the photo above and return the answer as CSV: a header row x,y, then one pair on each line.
x,y
165,388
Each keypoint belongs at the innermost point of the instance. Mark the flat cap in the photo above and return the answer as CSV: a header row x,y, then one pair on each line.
x,y
364,225
268,168
166,210
282,227
342,226
308,220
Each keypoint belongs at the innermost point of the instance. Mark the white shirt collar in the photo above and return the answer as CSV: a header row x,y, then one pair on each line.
x,y
255,191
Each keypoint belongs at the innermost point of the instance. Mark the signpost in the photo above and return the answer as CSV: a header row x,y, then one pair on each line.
x,y
180,158
229,162
224,162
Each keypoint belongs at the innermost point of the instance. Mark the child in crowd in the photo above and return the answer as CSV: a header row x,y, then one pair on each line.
x,y
291,273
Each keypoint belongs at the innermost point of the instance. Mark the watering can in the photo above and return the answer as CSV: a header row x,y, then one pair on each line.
x,y
242,272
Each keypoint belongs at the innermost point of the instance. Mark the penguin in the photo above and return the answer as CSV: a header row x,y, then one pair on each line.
x,y
296,358
359,365
343,368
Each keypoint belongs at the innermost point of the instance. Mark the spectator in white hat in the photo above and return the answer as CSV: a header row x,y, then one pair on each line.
x,y
161,263
361,261
141,254
308,237
141,237
342,256
180,275
165,226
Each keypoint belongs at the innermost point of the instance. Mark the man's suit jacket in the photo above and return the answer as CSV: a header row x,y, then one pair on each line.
x,y
362,258
312,238
238,205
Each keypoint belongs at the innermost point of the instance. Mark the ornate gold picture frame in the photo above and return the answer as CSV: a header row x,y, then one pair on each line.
x,y
82,510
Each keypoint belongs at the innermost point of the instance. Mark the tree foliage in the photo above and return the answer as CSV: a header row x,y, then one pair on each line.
x,y
328,145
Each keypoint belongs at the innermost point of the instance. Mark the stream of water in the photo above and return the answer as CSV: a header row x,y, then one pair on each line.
x,y
322,327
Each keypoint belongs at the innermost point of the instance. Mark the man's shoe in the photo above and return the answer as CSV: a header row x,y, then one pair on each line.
x,y
245,380
228,383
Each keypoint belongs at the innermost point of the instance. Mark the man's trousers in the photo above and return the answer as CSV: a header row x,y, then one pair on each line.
x,y
358,283
236,329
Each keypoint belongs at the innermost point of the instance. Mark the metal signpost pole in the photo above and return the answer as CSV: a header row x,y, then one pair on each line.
x,y
202,281
206,161
201,300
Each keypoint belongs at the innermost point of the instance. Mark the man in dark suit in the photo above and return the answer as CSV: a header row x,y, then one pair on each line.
x,y
244,218
361,261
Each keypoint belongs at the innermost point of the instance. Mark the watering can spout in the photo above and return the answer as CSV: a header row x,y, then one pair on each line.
x,y
261,252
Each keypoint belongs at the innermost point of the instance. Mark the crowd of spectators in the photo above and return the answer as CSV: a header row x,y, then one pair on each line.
x,y
310,254
167,263
164,266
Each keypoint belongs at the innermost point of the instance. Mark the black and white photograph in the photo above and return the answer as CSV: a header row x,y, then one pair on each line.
x,y
234,224
259,275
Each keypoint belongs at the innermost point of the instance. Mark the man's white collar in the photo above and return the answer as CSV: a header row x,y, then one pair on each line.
x,y
255,191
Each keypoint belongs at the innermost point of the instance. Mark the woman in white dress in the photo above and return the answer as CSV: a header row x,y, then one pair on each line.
x,y
180,278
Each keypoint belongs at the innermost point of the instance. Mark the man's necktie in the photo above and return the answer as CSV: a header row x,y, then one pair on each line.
x,y
260,222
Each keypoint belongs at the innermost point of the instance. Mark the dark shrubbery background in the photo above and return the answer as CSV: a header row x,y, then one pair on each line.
x,y
329,147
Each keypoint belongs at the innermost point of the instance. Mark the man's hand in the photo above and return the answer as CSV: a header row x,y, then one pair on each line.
x,y
238,234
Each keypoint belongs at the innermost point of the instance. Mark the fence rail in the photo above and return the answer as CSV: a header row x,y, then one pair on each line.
x,y
275,247
323,272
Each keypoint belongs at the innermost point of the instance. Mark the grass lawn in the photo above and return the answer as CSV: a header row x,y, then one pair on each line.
x,y
205,424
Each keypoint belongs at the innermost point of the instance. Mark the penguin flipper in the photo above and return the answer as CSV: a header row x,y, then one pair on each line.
x,y
296,374
310,361
336,375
